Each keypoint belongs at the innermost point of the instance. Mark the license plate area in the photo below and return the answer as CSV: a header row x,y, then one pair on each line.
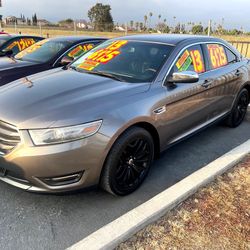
x,y
2,172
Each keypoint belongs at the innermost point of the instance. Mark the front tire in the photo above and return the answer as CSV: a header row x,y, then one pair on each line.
x,y
239,110
128,162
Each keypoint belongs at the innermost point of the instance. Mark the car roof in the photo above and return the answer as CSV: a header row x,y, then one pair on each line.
x,y
76,38
172,39
19,35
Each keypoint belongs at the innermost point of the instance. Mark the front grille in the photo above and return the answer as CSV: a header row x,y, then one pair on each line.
x,y
9,138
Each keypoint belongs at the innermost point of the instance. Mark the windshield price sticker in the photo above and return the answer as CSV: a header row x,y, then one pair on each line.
x,y
80,49
103,56
31,49
21,44
197,61
217,55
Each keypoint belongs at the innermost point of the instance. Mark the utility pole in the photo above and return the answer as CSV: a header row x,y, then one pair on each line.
x,y
209,27
75,31
40,28
126,29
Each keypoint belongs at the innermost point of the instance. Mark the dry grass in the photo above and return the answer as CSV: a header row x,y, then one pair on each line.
x,y
217,217
59,31
244,49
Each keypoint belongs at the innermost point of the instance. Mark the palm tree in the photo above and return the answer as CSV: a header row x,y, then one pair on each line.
x,y
165,20
131,24
150,16
159,17
145,21
174,23
137,26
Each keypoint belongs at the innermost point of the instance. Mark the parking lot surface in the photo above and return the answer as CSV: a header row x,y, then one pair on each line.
x,y
35,221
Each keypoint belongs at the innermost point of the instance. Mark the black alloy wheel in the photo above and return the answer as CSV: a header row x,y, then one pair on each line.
x,y
239,110
128,162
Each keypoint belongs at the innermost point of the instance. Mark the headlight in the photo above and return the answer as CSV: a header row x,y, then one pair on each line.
x,y
64,134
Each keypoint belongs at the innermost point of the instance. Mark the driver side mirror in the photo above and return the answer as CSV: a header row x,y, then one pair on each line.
x,y
6,53
183,77
66,60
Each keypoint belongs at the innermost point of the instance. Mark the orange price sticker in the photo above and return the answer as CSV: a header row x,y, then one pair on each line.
x,y
21,44
217,55
80,50
103,56
197,61
182,59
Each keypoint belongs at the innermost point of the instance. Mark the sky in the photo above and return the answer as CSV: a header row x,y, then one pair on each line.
x,y
234,12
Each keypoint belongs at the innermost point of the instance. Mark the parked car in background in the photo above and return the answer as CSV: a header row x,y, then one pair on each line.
x,y
44,55
103,120
13,44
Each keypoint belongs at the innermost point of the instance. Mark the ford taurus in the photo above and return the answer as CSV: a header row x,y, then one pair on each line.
x,y
103,119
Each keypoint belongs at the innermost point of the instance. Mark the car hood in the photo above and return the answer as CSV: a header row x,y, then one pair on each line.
x,y
60,97
8,63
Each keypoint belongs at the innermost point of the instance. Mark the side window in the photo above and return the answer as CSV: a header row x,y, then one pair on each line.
x,y
80,50
19,44
231,57
217,56
191,60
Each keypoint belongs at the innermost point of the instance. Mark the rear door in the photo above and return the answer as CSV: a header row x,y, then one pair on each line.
x,y
225,76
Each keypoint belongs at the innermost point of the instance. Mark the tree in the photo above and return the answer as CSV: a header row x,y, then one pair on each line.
x,y
150,17
145,21
67,22
137,25
34,19
162,27
141,26
197,29
100,16
177,28
131,24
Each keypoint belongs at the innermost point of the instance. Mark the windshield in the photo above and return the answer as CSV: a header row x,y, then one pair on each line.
x,y
128,61
42,51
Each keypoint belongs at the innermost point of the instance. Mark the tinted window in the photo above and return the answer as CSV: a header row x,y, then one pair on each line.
x,y
231,57
42,51
191,60
217,56
80,50
19,44
130,61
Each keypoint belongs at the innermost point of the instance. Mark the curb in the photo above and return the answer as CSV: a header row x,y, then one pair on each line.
x,y
119,230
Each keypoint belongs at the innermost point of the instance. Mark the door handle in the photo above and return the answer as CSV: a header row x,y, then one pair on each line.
x,y
207,83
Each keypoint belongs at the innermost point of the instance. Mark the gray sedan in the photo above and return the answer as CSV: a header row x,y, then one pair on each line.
x,y
103,119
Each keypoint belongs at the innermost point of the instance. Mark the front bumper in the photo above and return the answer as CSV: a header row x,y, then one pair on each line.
x,y
27,166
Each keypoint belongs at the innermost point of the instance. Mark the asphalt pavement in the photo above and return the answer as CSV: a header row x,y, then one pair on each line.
x,y
35,221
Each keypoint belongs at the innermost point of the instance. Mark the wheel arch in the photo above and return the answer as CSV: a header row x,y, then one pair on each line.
x,y
141,124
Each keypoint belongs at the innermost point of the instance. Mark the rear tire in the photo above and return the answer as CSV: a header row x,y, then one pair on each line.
x,y
128,162
239,110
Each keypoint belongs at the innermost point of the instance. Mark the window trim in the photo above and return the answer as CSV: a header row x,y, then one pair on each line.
x,y
233,54
186,47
